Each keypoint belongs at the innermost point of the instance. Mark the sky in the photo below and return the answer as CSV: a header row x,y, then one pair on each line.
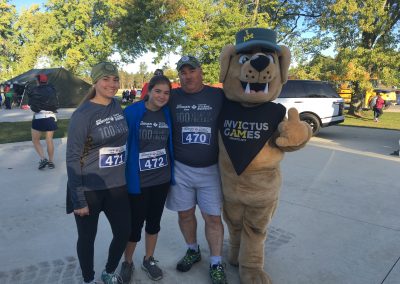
x,y
170,59
19,4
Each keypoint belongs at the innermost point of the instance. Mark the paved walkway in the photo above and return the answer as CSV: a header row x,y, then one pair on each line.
x,y
16,114
338,220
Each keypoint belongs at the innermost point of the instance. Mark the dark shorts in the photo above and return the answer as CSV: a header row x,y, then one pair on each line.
x,y
147,206
44,124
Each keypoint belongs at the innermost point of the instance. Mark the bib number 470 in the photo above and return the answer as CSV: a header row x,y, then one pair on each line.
x,y
196,138
196,135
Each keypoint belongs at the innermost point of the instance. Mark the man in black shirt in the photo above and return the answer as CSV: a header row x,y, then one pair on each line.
x,y
195,109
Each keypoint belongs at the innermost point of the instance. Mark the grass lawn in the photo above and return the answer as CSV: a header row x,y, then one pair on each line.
x,y
389,120
21,131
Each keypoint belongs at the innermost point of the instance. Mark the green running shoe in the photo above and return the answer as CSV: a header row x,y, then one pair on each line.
x,y
190,258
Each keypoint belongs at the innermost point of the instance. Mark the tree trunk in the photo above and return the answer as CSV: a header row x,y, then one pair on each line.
x,y
356,102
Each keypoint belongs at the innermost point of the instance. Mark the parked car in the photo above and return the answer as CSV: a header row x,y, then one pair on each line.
x,y
316,101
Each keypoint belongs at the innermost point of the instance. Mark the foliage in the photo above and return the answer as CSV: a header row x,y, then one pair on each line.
x,y
32,29
7,39
82,33
147,25
366,37
207,26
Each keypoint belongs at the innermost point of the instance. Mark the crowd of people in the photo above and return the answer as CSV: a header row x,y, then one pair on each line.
x,y
132,163
10,95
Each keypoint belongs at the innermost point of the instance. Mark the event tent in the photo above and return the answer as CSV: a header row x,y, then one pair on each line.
x,y
70,89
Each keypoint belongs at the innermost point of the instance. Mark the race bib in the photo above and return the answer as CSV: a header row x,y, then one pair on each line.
x,y
112,156
196,135
153,160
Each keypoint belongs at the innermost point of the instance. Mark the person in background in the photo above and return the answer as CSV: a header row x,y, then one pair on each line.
x,y
145,88
132,94
44,103
378,107
195,109
9,95
1,95
149,172
95,159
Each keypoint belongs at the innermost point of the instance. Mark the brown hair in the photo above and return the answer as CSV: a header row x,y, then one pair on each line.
x,y
89,95
159,79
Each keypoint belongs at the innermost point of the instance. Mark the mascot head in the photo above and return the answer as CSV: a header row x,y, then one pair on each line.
x,y
254,70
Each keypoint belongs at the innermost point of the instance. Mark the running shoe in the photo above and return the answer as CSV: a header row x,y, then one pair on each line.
x,y
50,165
126,271
152,269
111,278
217,274
190,258
42,163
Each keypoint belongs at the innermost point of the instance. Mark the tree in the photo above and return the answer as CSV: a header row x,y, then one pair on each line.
x,y
82,32
32,30
202,28
7,39
207,26
366,35
147,25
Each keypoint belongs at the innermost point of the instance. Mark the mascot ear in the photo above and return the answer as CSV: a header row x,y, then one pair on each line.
x,y
225,59
284,62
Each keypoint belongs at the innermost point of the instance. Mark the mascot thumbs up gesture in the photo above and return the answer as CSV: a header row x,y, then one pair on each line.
x,y
254,133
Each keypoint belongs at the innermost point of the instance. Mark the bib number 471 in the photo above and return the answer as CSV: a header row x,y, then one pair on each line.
x,y
114,160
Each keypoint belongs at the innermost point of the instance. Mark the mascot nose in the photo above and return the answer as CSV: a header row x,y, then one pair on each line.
x,y
260,62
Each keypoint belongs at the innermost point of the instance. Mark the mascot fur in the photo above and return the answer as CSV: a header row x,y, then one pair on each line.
x,y
254,133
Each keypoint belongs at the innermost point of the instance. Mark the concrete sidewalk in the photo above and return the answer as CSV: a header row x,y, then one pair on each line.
x,y
338,220
17,114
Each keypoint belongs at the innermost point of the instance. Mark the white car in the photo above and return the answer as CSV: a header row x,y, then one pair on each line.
x,y
316,101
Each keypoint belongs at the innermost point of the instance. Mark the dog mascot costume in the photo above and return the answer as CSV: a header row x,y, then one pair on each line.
x,y
254,133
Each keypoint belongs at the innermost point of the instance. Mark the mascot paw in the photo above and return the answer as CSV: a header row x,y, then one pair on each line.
x,y
293,132
233,256
253,276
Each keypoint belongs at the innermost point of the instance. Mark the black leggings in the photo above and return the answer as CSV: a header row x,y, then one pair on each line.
x,y
115,205
149,206
377,112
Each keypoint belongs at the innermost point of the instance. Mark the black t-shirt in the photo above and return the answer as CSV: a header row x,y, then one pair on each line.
x,y
43,97
195,118
154,164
